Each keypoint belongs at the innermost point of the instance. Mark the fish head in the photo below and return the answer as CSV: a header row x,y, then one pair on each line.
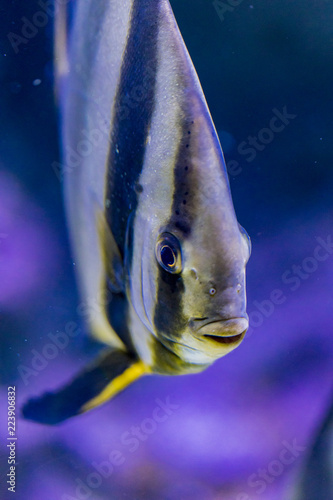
x,y
193,261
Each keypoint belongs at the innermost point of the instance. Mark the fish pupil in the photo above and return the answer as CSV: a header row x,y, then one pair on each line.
x,y
168,256
168,253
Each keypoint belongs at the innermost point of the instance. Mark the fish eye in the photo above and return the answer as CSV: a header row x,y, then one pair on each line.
x,y
168,253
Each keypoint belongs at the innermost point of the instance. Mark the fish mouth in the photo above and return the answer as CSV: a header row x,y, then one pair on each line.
x,y
223,332
235,339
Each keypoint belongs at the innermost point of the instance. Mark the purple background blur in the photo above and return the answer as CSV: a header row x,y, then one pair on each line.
x,y
236,417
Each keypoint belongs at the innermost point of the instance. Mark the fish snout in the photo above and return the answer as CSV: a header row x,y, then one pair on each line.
x,y
221,331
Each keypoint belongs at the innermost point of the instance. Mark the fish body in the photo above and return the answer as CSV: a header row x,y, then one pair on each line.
x,y
160,256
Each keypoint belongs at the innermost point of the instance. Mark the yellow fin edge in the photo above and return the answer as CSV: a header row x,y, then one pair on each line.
x,y
117,384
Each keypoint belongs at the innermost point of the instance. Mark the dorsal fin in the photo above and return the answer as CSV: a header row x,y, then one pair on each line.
x,y
112,259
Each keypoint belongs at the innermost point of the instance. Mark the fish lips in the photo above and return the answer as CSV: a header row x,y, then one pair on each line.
x,y
223,332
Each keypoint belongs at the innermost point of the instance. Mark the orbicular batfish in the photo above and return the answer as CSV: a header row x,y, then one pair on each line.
x,y
155,238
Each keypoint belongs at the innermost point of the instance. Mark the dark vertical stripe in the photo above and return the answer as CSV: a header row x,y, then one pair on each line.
x,y
184,205
134,104
169,319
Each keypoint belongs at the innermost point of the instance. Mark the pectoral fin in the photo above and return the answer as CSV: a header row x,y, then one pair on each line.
x,y
92,387
111,257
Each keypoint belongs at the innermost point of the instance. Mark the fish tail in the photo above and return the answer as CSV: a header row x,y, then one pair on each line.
x,y
109,375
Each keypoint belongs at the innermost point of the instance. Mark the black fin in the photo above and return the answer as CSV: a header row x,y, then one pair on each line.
x,y
92,387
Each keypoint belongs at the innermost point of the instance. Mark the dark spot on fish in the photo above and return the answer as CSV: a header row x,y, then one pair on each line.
x,y
189,132
183,226
184,181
